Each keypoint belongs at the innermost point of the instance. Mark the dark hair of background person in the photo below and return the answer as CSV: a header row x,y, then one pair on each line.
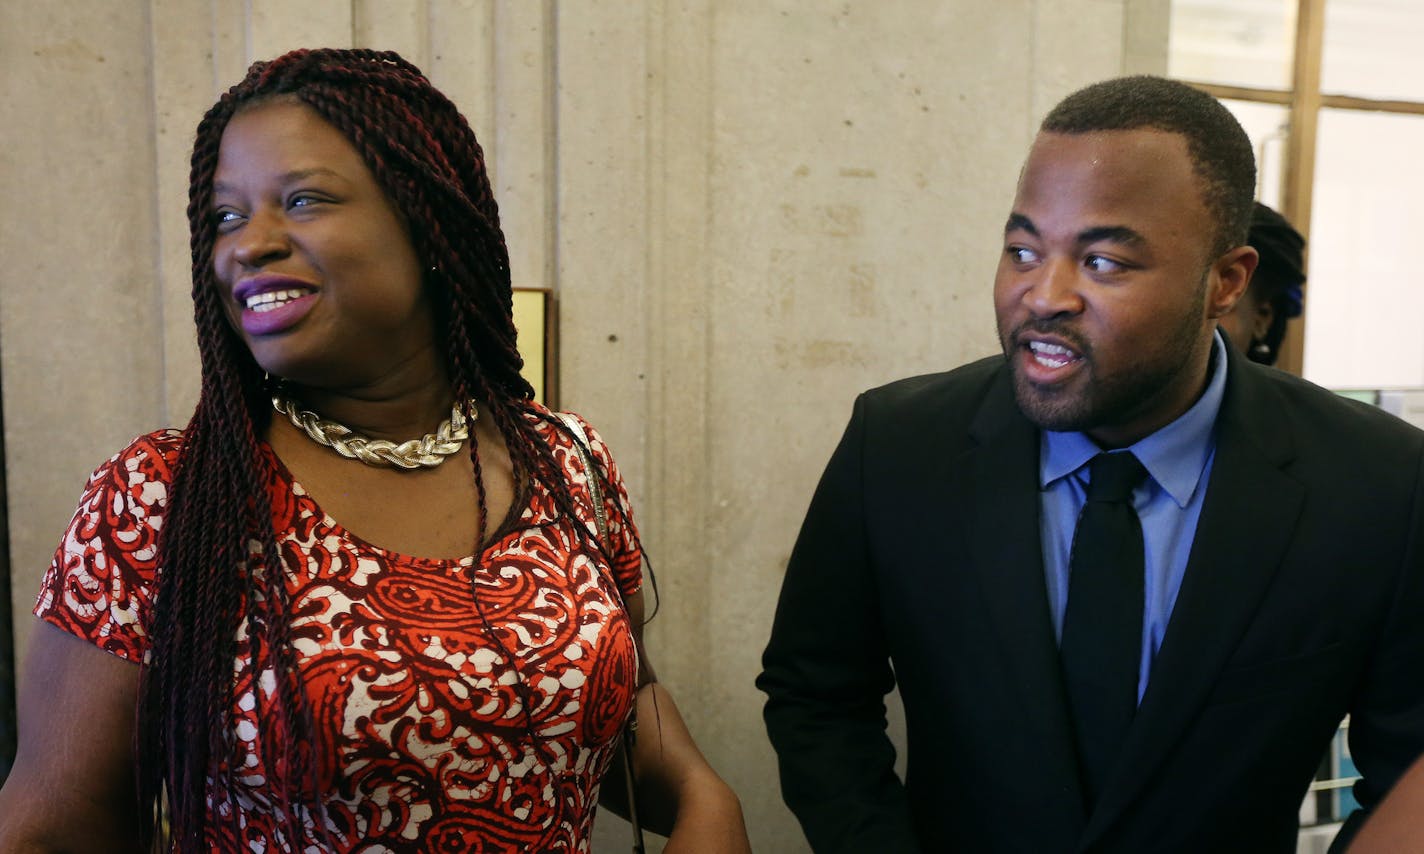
x,y
211,580
1220,150
1279,278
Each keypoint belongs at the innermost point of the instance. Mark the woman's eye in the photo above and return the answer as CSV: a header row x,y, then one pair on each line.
x,y
225,218
303,200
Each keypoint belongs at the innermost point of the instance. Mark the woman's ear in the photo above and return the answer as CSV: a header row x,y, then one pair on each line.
x,y
1261,322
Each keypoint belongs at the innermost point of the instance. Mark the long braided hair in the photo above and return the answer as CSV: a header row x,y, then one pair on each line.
x,y
221,580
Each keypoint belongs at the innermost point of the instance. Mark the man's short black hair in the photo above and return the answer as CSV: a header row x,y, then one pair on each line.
x,y
1221,152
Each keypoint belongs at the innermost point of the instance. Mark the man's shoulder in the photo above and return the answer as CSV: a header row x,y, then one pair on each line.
x,y
1324,432
1311,409
940,408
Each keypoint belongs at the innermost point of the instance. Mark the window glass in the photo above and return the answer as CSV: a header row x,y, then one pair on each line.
x,y
1365,294
1372,49
1267,125
1232,42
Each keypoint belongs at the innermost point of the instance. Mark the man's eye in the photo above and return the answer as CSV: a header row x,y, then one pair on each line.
x,y
1021,255
1099,264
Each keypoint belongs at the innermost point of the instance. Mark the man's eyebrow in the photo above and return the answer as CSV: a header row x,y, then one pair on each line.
x,y
1019,222
286,177
1119,234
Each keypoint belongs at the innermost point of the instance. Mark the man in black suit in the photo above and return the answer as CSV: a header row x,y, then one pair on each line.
x,y
1264,547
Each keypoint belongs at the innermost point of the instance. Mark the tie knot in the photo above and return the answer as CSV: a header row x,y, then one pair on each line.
x,y
1112,477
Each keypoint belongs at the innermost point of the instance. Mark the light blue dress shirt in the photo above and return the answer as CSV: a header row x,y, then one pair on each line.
x,y
1178,459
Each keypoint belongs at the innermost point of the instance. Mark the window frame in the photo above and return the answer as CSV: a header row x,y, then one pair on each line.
x,y
1304,101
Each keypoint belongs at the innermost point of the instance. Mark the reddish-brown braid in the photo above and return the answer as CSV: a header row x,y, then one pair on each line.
x,y
221,574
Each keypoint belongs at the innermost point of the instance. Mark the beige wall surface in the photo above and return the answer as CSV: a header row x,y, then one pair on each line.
x,y
750,210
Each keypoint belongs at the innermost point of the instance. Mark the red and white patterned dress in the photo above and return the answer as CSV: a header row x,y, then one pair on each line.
x,y
422,739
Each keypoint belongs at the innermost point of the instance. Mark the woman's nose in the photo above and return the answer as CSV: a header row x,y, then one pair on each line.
x,y
262,239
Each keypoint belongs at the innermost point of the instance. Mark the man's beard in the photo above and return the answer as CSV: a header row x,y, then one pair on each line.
x,y
1105,401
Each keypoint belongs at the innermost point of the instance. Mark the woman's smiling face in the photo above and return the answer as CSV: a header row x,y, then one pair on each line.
x,y
315,265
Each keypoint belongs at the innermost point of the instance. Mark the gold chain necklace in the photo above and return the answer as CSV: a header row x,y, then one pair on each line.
x,y
428,451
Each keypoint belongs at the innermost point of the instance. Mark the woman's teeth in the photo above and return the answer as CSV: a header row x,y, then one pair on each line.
x,y
273,299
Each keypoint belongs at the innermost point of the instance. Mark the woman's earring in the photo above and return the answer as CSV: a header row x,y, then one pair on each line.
x,y
1260,349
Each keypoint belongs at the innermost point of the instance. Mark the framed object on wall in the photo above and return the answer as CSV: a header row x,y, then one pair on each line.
x,y
535,319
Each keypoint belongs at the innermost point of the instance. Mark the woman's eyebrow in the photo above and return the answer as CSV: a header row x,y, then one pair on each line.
x,y
285,177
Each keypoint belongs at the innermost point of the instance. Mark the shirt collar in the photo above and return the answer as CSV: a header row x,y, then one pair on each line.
x,y
1175,455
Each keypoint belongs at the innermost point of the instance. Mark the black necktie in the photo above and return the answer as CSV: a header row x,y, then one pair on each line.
x,y
1102,625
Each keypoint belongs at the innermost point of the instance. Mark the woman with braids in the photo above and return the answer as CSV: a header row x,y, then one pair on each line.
x,y
1257,324
373,597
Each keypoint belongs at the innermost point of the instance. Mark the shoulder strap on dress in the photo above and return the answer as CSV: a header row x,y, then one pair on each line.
x,y
586,455
630,729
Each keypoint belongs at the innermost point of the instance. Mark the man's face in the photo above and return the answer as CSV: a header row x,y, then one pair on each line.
x,y
1107,290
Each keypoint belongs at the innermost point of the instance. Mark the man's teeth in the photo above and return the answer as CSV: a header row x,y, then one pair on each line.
x,y
273,299
1051,355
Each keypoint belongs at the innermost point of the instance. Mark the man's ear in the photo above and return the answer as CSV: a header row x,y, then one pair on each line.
x,y
1229,276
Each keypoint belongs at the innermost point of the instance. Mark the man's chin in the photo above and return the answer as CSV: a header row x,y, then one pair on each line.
x,y
1052,408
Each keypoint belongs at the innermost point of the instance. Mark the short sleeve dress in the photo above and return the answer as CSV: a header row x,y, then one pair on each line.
x,y
423,743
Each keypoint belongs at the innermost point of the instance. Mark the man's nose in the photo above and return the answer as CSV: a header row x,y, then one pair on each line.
x,y
1054,289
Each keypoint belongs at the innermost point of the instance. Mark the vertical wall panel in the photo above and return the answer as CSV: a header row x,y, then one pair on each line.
x,y
277,26
680,264
461,62
1075,41
398,25
1145,30
79,305
602,220
231,37
183,90
522,137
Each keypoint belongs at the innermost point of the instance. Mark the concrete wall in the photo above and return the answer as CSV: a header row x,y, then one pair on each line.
x,y
749,209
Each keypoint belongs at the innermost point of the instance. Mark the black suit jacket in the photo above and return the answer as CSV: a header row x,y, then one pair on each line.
x,y
920,563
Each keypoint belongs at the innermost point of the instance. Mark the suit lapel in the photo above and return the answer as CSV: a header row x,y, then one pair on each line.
x,y
1247,522
1007,561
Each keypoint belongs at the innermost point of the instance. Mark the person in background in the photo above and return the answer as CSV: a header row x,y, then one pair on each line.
x,y
1127,581
373,597
1397,824
1257,325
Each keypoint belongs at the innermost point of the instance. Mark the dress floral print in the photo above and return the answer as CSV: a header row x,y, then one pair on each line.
x,y
422,735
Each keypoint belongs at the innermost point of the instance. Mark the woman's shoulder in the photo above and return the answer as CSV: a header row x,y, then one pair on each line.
x,y
137,478
159,446
149,459
574,428
100,584
166,443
